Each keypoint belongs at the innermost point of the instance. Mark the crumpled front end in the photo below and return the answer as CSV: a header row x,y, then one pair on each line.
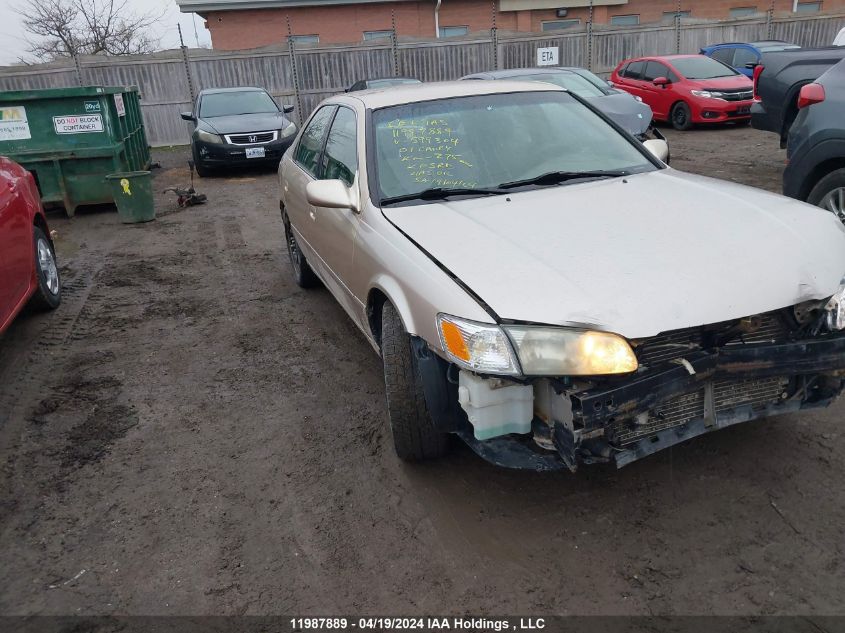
x,y
689,382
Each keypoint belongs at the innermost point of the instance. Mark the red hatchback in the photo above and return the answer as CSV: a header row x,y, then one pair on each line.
x,y
27,258
687,89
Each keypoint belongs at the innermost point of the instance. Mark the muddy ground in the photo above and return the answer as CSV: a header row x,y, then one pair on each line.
x,y
191,433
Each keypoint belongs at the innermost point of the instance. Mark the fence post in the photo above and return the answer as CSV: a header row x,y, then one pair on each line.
x,y
494,38
678,29
770,21
394,43
590,37
187,64
292,54
78,67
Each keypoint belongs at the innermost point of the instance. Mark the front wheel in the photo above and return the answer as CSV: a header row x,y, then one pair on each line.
x,y
681,116
202,170
48,295
829,194
414,435
302,273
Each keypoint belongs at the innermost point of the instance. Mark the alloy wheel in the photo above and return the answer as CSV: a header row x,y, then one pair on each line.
x,y
47,264
834,202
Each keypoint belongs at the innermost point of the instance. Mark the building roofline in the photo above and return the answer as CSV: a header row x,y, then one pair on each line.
x,y
204,6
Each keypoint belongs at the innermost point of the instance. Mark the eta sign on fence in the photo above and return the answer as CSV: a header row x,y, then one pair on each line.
x,y
548,56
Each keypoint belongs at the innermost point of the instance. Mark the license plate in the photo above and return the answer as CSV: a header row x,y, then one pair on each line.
x,y
744,110
255,152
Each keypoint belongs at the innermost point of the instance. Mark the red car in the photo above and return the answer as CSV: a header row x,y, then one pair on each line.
x,y
687,89
28,269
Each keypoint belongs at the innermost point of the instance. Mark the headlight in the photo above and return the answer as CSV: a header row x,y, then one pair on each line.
x,y
538,351
706,94
571,352
208,137
477,346
288,130
835,309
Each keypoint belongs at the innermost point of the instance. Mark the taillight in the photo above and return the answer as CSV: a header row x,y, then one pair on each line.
x,y
758,70
810,94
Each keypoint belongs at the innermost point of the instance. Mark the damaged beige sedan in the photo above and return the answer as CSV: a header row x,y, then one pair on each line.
x,y
543,286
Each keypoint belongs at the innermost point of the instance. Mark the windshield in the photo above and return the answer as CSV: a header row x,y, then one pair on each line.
x,y
702,68
570,81
597,81
228,103
396,81
481,142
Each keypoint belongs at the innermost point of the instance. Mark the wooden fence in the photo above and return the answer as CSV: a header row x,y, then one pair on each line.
x,y
306,74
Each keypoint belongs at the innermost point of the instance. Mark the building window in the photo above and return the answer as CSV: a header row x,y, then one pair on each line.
x,y
377,35
305,39
741,12
625,20
809,7
453,31
669,16
556,25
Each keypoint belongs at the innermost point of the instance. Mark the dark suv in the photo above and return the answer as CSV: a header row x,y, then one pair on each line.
x,y
815,172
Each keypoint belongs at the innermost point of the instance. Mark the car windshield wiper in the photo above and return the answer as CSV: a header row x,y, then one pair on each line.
x,y
557,177
440,193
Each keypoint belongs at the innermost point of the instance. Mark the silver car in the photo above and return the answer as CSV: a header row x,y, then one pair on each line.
x,y
545,287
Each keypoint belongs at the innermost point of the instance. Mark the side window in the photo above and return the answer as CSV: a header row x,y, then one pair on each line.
x,y
653,70
673,76
311,143
341,156
724,55
743,57
635,70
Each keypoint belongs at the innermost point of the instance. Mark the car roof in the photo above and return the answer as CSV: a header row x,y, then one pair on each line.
x,y
413,93
517,72
392,78
211,91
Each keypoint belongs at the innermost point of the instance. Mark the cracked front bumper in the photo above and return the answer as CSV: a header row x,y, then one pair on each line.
x,y
621,420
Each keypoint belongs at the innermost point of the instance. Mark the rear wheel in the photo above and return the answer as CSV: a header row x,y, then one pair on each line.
x,y
829,193
681,116
414,435
48,295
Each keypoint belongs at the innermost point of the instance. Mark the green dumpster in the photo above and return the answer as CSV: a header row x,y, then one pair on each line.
x,y
71,138
133,195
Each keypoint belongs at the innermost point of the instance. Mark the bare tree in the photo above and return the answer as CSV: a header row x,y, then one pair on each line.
x,y
67,28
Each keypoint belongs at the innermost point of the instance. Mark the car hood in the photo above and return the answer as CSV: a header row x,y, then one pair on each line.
x,y
723,83
634,116
240,123
638,256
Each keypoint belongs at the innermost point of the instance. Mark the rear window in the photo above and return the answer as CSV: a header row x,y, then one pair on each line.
x,y
229,103
634,70
702,68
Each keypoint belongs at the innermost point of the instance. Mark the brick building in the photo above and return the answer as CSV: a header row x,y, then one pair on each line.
x,y
236,24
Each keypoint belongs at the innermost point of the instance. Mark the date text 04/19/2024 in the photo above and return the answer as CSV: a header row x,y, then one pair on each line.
x,y
417,624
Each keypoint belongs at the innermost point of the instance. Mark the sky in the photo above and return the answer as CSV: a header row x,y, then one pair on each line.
x,y
12,35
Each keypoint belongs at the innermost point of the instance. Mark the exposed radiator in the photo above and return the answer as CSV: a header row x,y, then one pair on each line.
x,y
727,394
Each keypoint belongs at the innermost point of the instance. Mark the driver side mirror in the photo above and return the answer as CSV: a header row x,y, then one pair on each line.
x,y
287,109
661,81
658,148
188,116
330,194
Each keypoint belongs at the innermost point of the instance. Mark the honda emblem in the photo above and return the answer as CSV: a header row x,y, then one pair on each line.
x,y
253,138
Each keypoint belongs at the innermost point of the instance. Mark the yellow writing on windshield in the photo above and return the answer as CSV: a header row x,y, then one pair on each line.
x,y
429,150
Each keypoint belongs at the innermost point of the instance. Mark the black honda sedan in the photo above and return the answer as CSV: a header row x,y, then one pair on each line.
x,y
237,126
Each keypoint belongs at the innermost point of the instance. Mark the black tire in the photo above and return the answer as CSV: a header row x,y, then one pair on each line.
x,y
414,435
832,185
48,295
302,273
202,170
681,116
